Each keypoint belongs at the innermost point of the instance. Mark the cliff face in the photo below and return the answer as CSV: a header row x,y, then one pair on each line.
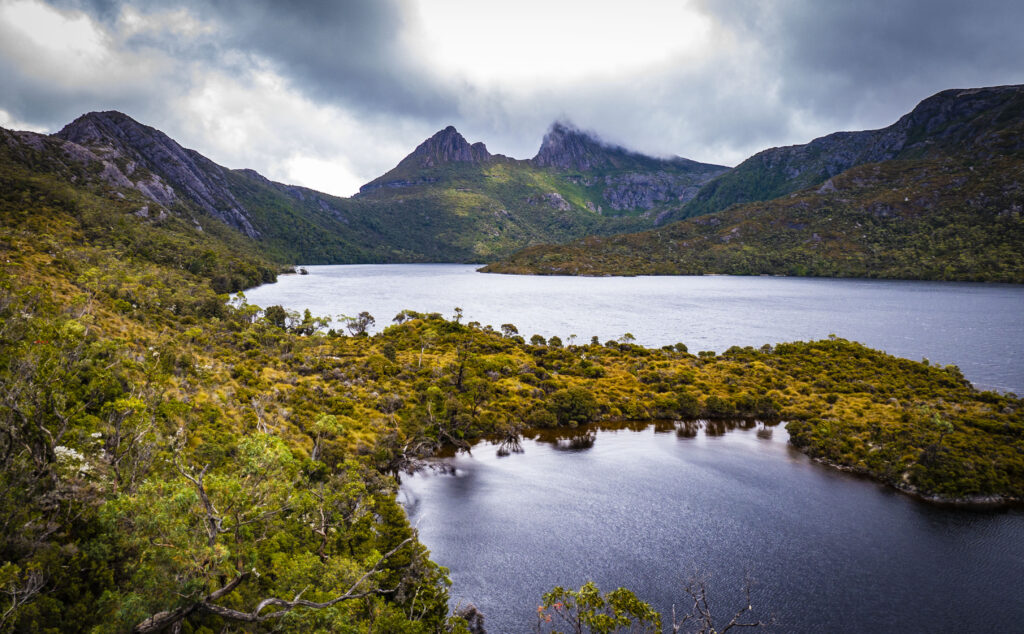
x,y
625,180
154,164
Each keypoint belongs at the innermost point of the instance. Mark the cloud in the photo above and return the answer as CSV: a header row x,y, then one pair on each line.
x,y
866,63
333,93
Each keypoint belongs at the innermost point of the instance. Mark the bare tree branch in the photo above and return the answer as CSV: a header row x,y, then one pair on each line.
x,y
162,620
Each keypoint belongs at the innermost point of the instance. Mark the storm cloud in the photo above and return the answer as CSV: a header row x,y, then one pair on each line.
x,y
331,94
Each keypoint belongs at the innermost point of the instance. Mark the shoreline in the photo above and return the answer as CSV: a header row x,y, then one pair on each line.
x,y
977,503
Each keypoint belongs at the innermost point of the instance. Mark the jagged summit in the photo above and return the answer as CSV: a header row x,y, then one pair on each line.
x,y
448,146
567,147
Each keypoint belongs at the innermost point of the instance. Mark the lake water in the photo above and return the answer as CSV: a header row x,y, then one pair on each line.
x,y
828,552
978,327
647,509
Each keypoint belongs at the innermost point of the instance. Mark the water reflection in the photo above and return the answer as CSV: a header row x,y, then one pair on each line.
x,y
583,437
574,439
640,510
509,445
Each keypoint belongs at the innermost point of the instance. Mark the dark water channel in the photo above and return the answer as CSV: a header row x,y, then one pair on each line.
x,y
649,508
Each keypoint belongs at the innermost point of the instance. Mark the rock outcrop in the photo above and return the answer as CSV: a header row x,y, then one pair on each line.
x,y
447,146
157,166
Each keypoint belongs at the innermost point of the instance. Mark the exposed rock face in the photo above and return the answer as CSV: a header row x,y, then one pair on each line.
x,y
635,181
552,199
566,147
153,163
644,190
447,146
68,156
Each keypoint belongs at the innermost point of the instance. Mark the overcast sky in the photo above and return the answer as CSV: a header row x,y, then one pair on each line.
x,y
332,94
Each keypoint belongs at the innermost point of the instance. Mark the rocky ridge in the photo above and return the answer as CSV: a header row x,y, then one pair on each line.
x,y
951,122
140,150
626,180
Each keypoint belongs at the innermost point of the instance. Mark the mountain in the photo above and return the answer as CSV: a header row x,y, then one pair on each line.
x,y
157,166
594,175
949,123
447,146
624,180
947,203
485,205
112,154
449,200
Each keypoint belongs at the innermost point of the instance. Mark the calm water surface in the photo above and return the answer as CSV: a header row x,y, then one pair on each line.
x,y
976,326
828,552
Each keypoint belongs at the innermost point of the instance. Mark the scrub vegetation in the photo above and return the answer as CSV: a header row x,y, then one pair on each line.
x,y
172,456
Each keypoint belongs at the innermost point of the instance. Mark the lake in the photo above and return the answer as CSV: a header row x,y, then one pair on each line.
x,y
649,508
828,552
978,327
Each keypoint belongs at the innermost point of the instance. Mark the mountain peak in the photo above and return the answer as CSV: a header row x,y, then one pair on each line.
x,y
448,146
104,127
567,147
170,170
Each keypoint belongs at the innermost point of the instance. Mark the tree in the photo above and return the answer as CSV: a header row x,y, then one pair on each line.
x,y
588,611
260,539
509,330
700,613
538,340
359,324
275,316
573,405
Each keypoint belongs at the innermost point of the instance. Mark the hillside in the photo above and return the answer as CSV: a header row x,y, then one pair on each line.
x,y
948,208
177,459
931,220
952,123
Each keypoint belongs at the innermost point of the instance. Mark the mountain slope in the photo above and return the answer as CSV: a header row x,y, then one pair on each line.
x,y
921,219
946,205
619,179
949,123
